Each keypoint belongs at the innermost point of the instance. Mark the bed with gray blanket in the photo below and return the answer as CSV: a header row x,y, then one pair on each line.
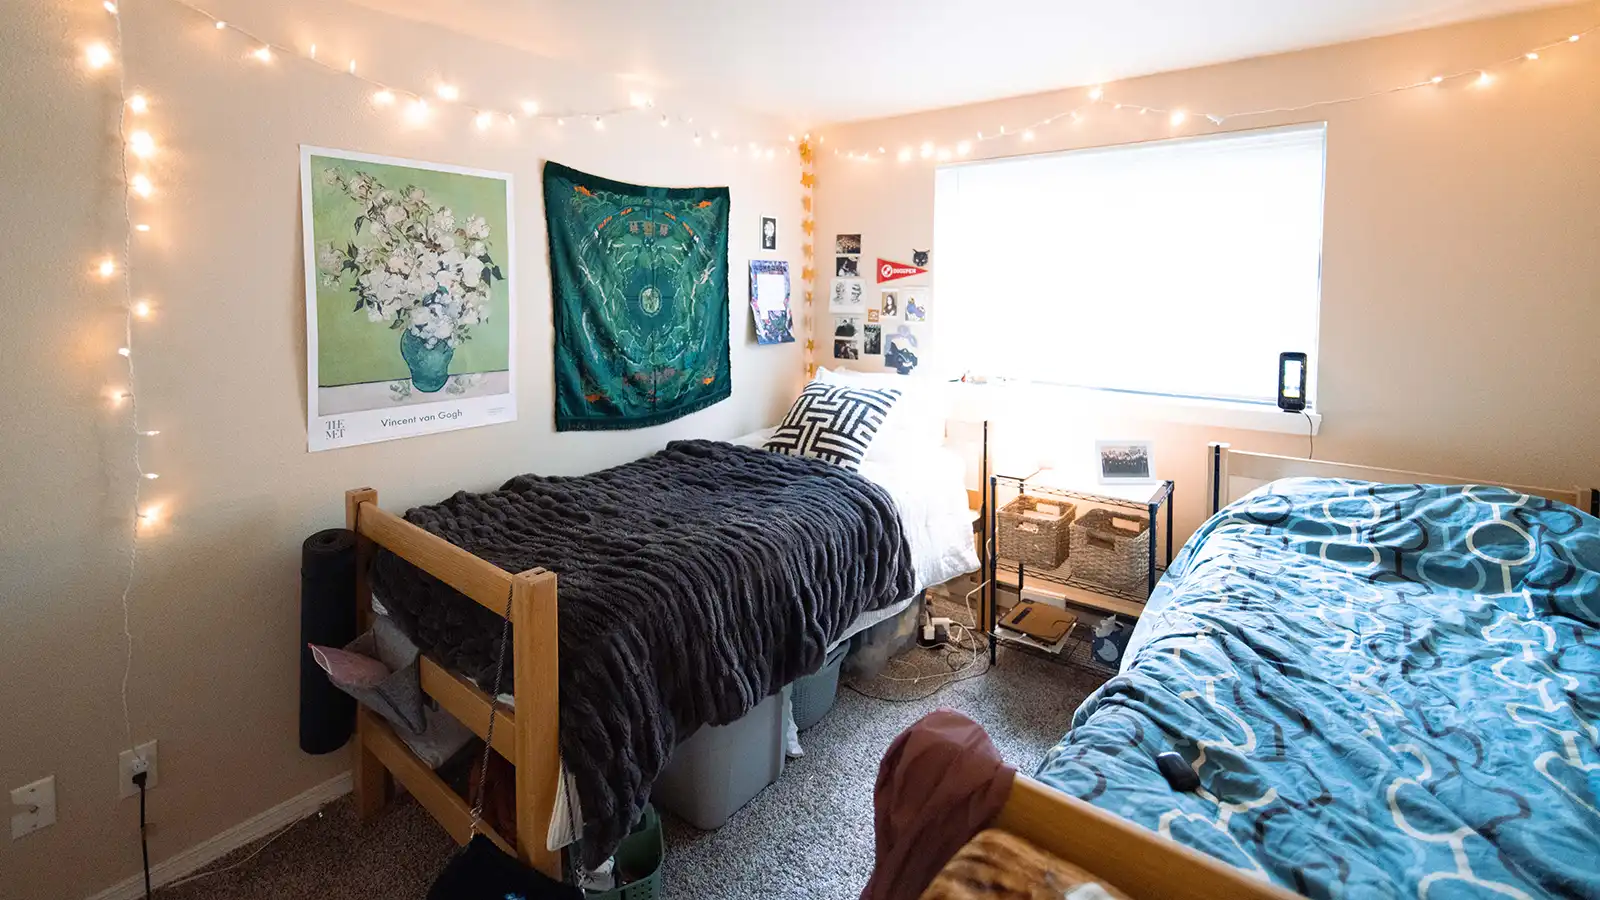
x,y
694,583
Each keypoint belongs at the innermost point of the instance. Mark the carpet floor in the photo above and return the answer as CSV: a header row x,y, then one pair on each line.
x,y
808,836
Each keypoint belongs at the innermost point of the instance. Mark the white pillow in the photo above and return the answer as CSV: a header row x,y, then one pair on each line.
x,y
916,423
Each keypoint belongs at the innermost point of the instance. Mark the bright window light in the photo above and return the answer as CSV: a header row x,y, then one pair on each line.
x,y
1179,268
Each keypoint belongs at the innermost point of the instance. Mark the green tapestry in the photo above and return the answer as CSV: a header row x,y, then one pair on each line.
x,y
639,285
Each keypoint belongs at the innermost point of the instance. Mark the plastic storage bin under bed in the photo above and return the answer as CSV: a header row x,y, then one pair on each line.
x,y
720,768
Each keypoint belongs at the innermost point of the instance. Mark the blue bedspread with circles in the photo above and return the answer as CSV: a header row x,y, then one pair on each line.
x,y
1386,691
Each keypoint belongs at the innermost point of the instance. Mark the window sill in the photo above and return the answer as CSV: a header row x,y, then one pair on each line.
x,y
976,402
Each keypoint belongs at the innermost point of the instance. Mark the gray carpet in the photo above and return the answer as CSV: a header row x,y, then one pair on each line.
x,y
807,836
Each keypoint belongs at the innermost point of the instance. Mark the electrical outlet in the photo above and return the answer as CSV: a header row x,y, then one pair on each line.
x,y
33,806
132,761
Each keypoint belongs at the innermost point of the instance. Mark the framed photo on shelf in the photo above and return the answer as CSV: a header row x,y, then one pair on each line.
x,y
1126,462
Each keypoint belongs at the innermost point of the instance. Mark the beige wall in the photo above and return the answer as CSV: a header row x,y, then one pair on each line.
x,y
1461,292
222,376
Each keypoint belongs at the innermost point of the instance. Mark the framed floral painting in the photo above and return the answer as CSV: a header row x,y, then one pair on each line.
x,y
410,307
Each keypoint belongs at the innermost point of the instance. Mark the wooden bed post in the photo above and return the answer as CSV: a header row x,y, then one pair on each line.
x,y
1217,477
538,717
370,780
1589,501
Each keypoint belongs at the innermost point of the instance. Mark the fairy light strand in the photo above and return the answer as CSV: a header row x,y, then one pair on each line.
x,y
416,107
130,393
1480,76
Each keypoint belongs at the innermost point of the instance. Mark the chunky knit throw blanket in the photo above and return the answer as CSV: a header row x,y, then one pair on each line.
x,y
692,585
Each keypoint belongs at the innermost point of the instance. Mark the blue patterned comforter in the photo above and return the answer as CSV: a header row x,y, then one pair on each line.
x,y
1386,690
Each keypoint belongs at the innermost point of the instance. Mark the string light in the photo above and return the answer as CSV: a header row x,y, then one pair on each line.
x,y
107,267
352,67
313,53
141,309
530,108
384,97
138,105
447,92
140,184
150,433
110,7
1481,76
664,121
599,124
97,55
417,111
124,351
141,227
141,144
221,24
483,120
263,53
639,101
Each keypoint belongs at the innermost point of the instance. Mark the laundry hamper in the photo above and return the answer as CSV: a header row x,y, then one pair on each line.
x,y
1112,551
814,694
1034,531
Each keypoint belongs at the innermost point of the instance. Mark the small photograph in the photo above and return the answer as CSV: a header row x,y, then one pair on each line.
x,y
901,350
872,340
873,315
769,233
846,327
847,266
1125,462
916,302
848,296
889,303
846,349
847,243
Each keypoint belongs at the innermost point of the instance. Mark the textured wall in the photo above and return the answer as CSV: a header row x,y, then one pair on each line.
x,y
222,375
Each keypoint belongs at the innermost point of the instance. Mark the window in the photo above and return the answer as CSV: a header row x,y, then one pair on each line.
x,y
1180,268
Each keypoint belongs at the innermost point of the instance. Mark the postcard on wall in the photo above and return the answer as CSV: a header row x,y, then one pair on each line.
x,y
872,340
843,349
889,304
849,295
847,266
847,243
916,304
410,300
769,301
848,327
769,233
902,349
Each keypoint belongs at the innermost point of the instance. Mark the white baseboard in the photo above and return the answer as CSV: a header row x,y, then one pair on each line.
x,y
212,849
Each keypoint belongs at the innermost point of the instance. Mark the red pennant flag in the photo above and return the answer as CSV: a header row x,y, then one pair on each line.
x,y
892,271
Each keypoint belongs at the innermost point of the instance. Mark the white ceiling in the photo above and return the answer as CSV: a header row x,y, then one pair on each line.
x,y
823,61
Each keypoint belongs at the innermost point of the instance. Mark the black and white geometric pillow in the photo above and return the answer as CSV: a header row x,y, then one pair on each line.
x,y
833,423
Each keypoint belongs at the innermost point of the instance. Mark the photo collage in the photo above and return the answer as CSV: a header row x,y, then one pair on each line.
x,y
883,325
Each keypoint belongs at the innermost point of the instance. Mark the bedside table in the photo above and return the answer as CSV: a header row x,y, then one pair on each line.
x,y
1059,585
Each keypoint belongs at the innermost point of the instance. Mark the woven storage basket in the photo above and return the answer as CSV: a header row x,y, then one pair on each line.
x,y
1034,541
1112,557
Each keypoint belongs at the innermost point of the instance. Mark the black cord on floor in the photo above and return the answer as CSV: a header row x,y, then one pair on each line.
x,y
1311,435
144,836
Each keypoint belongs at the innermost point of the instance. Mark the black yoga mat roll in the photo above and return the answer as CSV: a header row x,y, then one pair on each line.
x,y
327,617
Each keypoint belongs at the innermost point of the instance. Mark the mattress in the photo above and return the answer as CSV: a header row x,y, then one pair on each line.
x,y
1385,690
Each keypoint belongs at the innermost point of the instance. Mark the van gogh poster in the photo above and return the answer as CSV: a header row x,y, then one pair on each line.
x,y
410,308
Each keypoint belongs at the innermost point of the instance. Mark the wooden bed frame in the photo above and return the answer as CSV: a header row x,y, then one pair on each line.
x,y
527,738
1133,858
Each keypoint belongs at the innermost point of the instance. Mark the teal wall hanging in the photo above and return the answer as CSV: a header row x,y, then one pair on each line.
x,y
639,285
